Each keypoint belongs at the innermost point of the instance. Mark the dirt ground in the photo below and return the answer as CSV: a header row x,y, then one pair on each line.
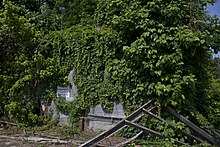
x,y
19,143
52,136
89,134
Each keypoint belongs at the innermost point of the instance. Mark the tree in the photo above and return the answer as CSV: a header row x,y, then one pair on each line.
x,y
214,93
158,49
131,51
26,70
166,47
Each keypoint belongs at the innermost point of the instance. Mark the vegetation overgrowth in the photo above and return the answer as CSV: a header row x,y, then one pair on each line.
x,y
131,51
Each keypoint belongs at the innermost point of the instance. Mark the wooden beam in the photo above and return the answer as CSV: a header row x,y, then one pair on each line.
x,y
138,111
117,127
155,133
144,129
194,127
105,134
129,140
216,133
9,123
182,131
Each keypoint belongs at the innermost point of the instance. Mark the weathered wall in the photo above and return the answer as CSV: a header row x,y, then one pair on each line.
x,y
96,119
100,119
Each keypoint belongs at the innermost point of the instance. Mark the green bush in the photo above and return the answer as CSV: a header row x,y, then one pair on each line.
x,y
22,115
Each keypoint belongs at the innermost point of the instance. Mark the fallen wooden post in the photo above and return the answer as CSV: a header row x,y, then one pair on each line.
x,y
8,123
144,129
194,127
118,126
215,132
146,108
155,133
129,140
174,127
37,139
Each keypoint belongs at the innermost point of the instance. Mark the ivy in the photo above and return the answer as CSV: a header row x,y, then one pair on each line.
x,y
26,70
131,51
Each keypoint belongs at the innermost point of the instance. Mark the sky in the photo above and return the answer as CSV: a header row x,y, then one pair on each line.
x,y
214,9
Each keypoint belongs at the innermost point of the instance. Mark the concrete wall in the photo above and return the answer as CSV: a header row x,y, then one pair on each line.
x,y
96,119
68,93
59,116
100,119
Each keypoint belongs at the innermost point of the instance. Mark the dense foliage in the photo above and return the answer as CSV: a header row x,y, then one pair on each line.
x,y
27,68
130,51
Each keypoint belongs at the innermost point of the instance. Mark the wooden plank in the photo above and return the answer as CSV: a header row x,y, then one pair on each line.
x,y
9,123
117,127
105,134
155,133
150,108
182,131
138,111
194,127
144,129
142,114
216,133
217,130
129,140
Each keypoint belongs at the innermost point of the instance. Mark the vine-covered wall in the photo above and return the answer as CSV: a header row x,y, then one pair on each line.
x,y
130,51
